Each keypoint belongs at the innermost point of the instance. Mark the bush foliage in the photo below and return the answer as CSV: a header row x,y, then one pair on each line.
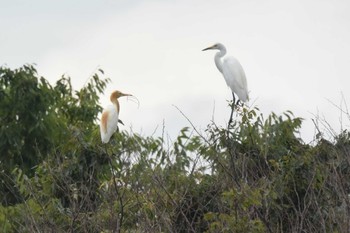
x,y
254,176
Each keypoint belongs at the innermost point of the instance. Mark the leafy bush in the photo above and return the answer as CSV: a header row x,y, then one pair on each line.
x,y
254,176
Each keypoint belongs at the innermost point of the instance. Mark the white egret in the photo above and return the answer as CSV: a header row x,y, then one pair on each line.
x,y
110,117
233,73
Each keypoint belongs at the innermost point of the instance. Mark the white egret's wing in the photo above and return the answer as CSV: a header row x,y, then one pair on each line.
x,y
235,78
109,122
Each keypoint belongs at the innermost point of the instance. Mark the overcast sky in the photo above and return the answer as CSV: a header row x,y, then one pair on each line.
x,y
295,54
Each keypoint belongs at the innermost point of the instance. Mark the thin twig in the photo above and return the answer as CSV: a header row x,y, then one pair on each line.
x,y
195,129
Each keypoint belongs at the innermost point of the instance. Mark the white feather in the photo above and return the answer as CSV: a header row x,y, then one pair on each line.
x,y
235,77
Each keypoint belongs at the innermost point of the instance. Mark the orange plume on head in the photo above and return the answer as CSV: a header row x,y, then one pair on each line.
x,y
114,98
116,94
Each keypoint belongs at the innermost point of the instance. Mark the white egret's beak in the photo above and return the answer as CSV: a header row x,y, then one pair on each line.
x,y
211,47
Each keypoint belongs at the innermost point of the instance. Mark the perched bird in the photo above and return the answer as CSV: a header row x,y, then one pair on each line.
x,y
233,73
110,117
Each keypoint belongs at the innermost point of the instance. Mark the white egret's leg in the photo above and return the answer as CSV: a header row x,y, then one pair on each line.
x,y
232,108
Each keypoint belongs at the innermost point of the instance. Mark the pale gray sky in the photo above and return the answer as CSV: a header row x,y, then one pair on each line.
x,y
294,53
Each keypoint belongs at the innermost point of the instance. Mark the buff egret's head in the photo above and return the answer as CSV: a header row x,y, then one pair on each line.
x,y
116,94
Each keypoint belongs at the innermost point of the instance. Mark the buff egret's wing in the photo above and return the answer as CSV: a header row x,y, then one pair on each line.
x,y
109,122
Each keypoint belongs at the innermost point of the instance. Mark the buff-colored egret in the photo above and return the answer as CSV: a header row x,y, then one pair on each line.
x,y
110,117
233,73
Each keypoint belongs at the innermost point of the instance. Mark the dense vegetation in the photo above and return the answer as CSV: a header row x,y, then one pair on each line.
x,y
255,176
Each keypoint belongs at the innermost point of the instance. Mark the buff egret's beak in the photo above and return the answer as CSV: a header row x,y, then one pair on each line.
x,y
124,94
211,47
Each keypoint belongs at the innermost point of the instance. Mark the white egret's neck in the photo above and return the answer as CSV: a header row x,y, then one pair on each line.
x,y
219,55
218,61
222,51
